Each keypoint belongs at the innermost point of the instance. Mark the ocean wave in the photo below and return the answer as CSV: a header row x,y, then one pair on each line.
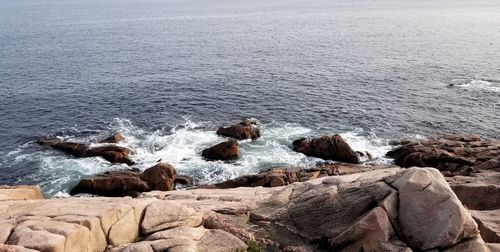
x,y
477,84
180,145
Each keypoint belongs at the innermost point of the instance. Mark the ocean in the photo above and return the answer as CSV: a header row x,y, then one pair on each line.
x,y
167,73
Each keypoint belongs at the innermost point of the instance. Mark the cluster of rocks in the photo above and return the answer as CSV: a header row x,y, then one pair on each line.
x,y
108,150
390,209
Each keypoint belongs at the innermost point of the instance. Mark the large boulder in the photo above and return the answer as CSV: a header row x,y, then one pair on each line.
x,y
160,177
453,155
332,147
247,129
110,152
128,182
430,214
227,150
112,183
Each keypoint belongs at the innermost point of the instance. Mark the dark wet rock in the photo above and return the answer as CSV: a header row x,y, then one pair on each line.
x,y
73,149
116,138
457,155
160,177
227,150
112,153
332,147
247,129
113,183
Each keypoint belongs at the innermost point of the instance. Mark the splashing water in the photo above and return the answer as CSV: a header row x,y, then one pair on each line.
x,y
477,84
180,145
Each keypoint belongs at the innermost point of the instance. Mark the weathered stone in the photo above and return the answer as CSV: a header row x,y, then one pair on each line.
x,y
458,155
20,192
162,215
227,150
15,248
371,233
78,224
430,214
6,227
331,147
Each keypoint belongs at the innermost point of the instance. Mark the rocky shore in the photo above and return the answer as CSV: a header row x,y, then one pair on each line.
x,y
442,194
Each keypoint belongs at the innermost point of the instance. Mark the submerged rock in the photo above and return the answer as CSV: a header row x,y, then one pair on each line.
x,y
227,150
128,183
331,147
247,129
112,153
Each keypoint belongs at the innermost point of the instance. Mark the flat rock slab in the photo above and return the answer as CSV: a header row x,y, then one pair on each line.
x,y
20,192
75,224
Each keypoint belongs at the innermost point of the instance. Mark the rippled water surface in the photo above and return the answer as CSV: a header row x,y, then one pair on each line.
x,y
167,73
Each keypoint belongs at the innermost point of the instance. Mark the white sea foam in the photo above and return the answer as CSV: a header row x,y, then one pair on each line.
x,y
477,84
181,145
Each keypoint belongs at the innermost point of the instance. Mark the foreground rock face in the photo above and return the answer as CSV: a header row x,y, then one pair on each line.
x,y
331,147
112,153
227,150
247,129
128,183
453,155
380,210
